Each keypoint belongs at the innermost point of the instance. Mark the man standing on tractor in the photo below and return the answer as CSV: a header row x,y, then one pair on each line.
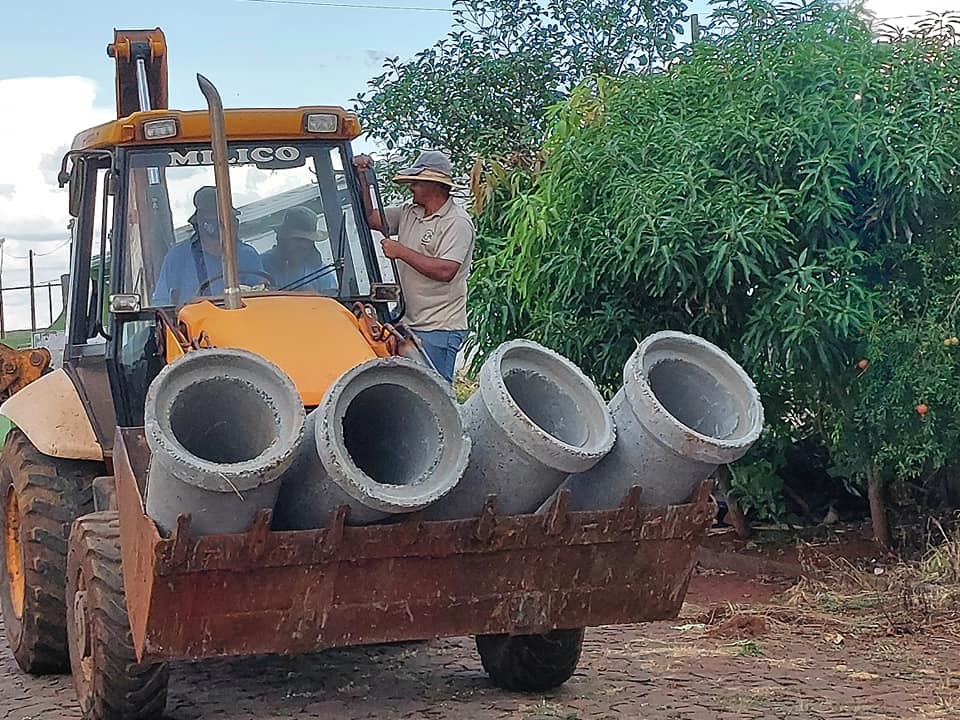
x,y
434,246
194,267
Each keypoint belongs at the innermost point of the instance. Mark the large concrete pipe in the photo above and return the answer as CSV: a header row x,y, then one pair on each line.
x,y
387,439
223,425
534,420
685,407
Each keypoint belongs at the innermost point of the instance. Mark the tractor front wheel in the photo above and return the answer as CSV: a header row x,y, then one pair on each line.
x,y
531,663
110,683
40,496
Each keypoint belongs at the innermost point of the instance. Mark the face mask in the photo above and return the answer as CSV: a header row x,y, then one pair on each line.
x,y
210,228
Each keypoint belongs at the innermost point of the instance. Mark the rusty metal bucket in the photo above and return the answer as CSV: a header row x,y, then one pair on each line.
x,y
192,597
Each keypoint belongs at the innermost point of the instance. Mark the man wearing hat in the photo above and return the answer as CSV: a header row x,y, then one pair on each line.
x,y
190,264
433,248
295,259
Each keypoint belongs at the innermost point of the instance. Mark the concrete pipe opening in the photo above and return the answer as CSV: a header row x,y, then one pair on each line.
x,y
544,402
547,405
370,434
695,396
534,419
222,425
222,420
387,440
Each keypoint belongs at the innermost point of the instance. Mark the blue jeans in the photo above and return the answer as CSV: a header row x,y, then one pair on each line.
x,y
442,347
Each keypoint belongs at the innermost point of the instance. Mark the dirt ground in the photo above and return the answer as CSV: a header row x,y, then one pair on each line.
x,y
703,666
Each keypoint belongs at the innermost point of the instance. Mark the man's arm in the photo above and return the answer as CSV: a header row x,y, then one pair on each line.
x,y
437,269
362,163
455,247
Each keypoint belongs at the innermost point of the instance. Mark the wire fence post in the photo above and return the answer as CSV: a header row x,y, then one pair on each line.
x,y
33,299
3,328
694,28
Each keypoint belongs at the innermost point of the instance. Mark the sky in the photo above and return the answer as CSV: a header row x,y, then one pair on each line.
x,y
55,79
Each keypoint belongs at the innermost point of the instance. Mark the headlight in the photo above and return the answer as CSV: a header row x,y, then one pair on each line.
x,y
159,129
322,123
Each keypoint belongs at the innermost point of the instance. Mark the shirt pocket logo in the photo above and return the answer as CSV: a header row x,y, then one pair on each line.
x,y
427,237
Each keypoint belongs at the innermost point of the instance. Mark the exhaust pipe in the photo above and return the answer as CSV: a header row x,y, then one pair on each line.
x,y
223,425
387,439
685,407
535,419
221,176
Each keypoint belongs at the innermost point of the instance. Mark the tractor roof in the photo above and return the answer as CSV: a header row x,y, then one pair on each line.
x,y
147,128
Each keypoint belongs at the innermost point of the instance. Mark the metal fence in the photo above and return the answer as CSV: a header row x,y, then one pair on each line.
x,y
45,300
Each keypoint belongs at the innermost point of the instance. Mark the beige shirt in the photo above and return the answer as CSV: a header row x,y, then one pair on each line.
x,y
447,234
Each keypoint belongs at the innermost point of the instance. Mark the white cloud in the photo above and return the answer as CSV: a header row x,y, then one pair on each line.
x,y
899,12
40,118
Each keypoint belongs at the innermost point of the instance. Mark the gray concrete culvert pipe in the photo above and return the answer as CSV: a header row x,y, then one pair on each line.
x,y
387,439
535,419
223,425
685,407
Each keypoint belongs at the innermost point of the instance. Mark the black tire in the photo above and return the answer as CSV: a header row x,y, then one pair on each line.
x,y
40,497
110,683
531,663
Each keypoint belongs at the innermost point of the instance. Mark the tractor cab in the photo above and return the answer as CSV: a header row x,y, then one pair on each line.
x,y
150,258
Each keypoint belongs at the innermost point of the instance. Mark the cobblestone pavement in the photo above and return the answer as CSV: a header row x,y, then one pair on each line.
x,y
661,671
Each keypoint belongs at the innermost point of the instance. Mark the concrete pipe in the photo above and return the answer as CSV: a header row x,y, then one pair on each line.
x,y
534,420
223,425
386,440
685,407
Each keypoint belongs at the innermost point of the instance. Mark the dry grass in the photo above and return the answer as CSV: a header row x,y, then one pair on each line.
x,y
838,598
909,597
463,386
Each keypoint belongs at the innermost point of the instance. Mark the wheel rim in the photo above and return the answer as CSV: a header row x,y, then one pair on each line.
x,y
14,553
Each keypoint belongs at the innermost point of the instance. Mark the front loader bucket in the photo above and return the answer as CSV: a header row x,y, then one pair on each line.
x,y
263,591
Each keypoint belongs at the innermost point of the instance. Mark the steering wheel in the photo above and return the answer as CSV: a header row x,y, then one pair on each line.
x,y
267,277
310,277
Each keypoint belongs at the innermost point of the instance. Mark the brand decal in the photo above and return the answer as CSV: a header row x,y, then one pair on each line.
x,y
265,156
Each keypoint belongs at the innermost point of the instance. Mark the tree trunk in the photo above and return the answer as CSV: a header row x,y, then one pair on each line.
x,y
878,508
734,513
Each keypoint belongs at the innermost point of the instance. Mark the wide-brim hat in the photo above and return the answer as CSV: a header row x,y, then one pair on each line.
x,y
431,166
313,236
299,222
205,199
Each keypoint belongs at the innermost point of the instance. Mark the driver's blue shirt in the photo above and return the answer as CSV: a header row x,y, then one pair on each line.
x,y
187,266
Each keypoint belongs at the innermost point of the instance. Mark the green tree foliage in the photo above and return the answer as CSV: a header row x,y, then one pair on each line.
x,y
788,190
486,86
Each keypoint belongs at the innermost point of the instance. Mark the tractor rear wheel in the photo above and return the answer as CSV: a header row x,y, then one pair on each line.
x,y
110,683
531,663
40,496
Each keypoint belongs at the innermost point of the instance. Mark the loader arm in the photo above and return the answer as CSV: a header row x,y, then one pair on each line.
x,y
133,50
19,368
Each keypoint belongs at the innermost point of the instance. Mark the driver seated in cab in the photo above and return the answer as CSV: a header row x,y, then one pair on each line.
x,y
295,263
195,267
